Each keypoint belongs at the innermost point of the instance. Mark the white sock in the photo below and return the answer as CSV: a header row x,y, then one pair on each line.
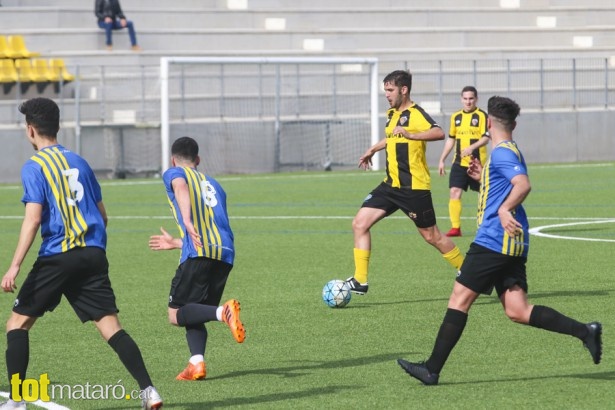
x,y
197,358
219,313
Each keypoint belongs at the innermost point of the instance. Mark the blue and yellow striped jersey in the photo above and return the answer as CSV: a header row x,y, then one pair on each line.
x,y
209,215
405,159
504,163
64,184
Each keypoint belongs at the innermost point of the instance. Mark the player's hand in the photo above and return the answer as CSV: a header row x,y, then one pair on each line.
x,y
401,131
466,152
441,169
162,242
196,238
365,161
509,223
8,281
475,168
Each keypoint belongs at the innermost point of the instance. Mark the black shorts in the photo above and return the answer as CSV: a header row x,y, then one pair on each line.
x,y
459,178
482,269
199,280
417,204
81,274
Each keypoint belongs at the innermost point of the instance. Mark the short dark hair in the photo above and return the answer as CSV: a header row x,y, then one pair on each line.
x,y
470,88
185,148
43,114
504,110
399,78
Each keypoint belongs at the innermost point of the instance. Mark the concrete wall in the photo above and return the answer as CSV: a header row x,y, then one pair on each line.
x,y
546,137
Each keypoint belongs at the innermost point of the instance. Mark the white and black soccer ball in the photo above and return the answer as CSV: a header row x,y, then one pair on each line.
x,y
336,293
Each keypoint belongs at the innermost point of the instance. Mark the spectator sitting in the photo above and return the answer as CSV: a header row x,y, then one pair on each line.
x,y
111,17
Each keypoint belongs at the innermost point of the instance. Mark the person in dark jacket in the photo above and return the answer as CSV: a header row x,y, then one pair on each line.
x,y
111,17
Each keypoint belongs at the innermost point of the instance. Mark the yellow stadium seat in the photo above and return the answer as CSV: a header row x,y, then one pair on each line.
x,y
8,74
28,75
43,70
58,66
5,50
17,45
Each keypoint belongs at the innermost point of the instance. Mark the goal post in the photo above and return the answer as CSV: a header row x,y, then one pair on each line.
x,y
268,114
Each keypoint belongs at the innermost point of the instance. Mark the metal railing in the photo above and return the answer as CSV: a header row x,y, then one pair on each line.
x,y
115,94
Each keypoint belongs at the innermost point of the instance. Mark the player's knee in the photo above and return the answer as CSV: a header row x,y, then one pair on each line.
x,y
16,321
359,225
431,235
517,316
173,317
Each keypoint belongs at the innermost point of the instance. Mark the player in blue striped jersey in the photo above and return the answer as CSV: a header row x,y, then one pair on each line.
x,y
63,198
198,204
498,255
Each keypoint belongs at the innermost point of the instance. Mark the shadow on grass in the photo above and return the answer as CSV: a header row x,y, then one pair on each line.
x,y
306,366
264,398
607,376
300,369
490,299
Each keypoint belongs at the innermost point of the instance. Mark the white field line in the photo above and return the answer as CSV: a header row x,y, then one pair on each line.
x,y
45,405
537,231
307,176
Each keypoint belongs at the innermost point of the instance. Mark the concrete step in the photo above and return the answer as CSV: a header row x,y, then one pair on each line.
x,y
297,19
339,40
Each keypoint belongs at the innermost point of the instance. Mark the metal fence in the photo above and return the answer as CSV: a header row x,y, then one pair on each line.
x,y
123,94
112,114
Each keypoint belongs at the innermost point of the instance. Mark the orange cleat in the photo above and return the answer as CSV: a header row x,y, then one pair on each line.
x,y
454,232
193,372
230,316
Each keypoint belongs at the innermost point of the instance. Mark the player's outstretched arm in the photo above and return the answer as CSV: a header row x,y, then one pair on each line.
x,y
365,161
164,241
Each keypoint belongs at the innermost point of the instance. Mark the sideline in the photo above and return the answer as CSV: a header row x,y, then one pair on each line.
x,y
537,231
39,403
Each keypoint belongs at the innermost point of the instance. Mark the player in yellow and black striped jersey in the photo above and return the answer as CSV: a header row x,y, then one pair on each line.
x,y
407,183
468,135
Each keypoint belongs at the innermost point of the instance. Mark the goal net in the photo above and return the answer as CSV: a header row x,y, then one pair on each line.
x,y
259,115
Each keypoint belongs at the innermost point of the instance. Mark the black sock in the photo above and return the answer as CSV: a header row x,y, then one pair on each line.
x,y
195,314
17,354
450,331
544,317
196,336
130,355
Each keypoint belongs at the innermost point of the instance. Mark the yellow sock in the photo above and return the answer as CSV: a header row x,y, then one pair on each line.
x,y
454,210
454,257
361,262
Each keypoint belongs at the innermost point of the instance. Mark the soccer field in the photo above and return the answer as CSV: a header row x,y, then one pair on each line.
x,y
293,234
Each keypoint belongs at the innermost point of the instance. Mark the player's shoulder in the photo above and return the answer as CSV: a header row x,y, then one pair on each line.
x,y
481,111
506,149
173,173
457,113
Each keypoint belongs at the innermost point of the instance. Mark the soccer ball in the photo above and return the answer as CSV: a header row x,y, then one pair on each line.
x,y
336,293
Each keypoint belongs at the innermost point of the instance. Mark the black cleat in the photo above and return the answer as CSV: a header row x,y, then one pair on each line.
x,y
593,341
356,287
419,371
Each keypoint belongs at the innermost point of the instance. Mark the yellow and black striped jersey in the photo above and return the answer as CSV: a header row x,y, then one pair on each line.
x,y
406,164
467,128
